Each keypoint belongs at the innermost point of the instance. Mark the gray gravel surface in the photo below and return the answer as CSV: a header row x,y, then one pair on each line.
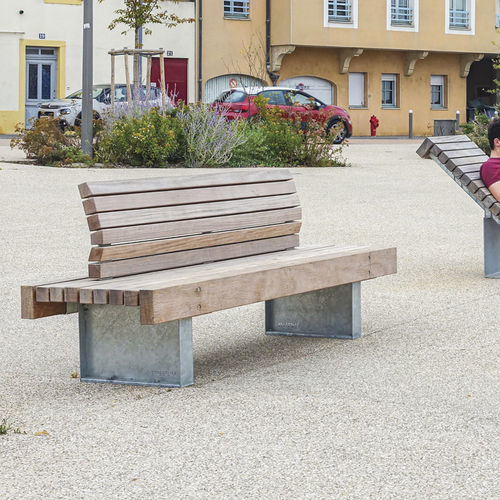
x,y
410,410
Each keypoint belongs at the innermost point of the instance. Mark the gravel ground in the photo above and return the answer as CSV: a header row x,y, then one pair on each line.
x,y
410,410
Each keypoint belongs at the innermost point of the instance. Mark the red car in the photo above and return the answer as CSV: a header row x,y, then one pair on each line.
x,y
239,103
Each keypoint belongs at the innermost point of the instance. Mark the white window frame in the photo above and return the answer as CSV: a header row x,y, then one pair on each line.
x,y
389,77
442,84
471,5
246,3
363,104
354,18
497,17
410,27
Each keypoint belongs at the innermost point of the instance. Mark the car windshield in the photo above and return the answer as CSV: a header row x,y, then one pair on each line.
x,y
102,93
96,91
232,96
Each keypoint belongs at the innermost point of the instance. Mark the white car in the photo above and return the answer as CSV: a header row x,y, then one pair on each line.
x,y
69,110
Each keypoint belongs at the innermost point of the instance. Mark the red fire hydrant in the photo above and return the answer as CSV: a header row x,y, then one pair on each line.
x,y
374,123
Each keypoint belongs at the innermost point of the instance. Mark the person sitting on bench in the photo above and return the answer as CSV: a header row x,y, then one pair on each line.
x,y
490,169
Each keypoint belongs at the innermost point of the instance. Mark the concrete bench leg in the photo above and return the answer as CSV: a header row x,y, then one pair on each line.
x,y
491,248
116,348
331,312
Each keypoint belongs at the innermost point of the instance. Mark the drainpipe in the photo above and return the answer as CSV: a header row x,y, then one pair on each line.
x,y
273,76
200,51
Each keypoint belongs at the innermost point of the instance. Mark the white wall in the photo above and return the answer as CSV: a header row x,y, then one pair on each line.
x,y
63,22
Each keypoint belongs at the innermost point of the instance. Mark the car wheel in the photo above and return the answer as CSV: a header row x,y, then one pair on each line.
x,y
339,127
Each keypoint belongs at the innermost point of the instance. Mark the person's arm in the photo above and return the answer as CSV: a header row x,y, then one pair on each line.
x,y
495,190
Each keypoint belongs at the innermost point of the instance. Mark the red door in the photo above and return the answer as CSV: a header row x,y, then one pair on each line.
x,y
175,76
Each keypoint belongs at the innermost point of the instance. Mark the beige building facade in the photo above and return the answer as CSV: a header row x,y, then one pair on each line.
x,y
372,57
41,51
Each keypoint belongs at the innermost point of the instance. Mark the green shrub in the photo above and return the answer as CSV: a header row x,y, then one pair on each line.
x,y
273,140
46,143
152,139
254,152
477,131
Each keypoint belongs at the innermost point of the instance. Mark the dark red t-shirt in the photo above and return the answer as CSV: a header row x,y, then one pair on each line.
x,y
490,171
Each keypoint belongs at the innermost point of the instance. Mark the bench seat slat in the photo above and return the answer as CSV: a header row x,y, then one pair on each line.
x,y
102,188
131,250
185,196
190,257
205,296
452,167
463,153
136,282
465,161
183,212
437,149
425,147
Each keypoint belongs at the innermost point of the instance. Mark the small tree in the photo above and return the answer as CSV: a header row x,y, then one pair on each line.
x,y
136,14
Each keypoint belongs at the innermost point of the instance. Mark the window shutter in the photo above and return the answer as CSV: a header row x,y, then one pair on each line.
x,y
437,80
356,89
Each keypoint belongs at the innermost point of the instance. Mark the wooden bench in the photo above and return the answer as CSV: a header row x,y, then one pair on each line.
x,y
170,248
461,159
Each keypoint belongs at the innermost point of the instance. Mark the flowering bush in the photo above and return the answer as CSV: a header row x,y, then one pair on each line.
x,y
210,138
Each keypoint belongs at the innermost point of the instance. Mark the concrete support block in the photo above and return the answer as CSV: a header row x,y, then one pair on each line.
x,y
116,348
330,312
491,248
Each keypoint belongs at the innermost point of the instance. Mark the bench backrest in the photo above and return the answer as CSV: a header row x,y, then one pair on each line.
x,y
462,159
145,225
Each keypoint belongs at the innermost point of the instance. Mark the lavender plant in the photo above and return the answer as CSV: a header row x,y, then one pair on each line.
x,y
210,137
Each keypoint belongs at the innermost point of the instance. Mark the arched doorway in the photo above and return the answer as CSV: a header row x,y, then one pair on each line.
x,y
215,86
317,87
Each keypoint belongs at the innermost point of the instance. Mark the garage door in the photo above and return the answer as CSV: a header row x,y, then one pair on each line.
x,y
215,86
317,87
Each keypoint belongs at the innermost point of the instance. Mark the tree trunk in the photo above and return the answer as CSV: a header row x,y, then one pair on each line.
x,y
137,81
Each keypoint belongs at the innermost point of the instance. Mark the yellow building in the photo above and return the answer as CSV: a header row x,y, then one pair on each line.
x,y
372,57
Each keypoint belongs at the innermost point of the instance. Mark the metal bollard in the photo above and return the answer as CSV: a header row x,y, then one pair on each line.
x,y
458,121
410,124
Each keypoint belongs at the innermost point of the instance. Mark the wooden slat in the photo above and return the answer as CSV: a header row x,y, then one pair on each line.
x,y
42,294
185,196
482,193
488,201
100,188
56,294
429,142
183,212
495,209
189,227
467,160
32,309
184,301
466,169
190,257
475,185
439,139
116,297
191,242
469,177
452,166
437,149
462,153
